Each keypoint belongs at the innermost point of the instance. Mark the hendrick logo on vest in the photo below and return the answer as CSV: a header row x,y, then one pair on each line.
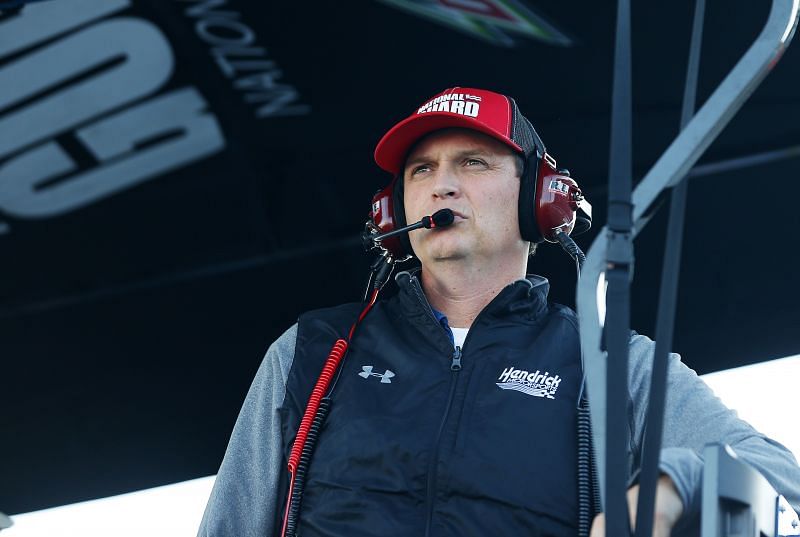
x,y
535,384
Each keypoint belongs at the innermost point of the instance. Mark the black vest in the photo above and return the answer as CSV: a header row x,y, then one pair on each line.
x,y
424,440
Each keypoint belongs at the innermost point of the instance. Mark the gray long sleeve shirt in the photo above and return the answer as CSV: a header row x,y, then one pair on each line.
x,y
245,496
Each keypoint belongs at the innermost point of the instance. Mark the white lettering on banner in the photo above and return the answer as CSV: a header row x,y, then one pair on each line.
x,y
45,21
113,141
235,52
129,59
147,64
235,33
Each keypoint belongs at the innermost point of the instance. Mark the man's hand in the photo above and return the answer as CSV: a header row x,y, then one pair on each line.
x,y
668,509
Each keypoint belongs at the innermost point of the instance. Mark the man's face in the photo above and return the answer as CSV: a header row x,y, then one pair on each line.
x,y
476,177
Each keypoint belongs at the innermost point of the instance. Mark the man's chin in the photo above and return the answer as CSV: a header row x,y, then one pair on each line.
x,y
443,250
448,255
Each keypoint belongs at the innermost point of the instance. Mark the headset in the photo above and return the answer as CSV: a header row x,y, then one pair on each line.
x,y
551,206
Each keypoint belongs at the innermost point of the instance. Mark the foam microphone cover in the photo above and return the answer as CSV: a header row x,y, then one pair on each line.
x,y
443,217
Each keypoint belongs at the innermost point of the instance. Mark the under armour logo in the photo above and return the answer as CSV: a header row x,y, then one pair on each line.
x,y
386,378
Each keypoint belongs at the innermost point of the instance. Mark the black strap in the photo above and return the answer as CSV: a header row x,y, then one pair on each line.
x,y
619,257
666,302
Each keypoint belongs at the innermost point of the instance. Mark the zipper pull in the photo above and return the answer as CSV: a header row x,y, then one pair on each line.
x,y
456,364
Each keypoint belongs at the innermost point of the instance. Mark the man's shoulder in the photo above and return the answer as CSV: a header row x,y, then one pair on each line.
x,y
564,312
339,316
334,310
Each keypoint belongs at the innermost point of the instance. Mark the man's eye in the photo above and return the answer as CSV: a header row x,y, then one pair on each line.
x,y
419,169
474,162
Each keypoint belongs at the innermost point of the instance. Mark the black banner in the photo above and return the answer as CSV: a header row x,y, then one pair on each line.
x,y
180,178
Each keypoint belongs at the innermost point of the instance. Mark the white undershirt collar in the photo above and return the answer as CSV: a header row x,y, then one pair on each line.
x,y
459,335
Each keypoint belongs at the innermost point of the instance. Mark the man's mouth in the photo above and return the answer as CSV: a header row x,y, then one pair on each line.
x,y
458,215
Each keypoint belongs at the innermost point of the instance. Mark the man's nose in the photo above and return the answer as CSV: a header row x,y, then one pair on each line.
x,y
446,184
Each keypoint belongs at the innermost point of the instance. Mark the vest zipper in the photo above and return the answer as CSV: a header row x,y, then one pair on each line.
x,y
455,367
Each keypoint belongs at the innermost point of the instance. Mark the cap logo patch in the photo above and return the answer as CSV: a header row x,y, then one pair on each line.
x,y
455,103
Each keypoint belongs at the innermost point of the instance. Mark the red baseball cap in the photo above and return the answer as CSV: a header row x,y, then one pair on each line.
x,y
481,110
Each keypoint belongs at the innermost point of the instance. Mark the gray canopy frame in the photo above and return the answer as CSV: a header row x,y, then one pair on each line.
x,y
673,165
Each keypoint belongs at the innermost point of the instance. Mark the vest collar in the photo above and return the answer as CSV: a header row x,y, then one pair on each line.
x,y
525,298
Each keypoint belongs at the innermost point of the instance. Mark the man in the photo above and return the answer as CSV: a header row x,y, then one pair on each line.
x,y
454,410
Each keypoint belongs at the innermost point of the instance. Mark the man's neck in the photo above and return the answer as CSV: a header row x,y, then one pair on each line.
x,y
461,291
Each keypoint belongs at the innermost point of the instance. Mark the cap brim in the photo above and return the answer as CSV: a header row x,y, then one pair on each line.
x,y
391,151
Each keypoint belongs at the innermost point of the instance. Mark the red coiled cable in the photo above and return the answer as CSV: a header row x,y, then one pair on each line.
x,y
330,368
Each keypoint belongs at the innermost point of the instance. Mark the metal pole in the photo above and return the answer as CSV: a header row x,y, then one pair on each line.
x,y
619,266
665,322
670,167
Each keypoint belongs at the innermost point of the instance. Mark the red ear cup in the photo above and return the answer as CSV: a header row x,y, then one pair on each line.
x,y
382,217
556,201
548,201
